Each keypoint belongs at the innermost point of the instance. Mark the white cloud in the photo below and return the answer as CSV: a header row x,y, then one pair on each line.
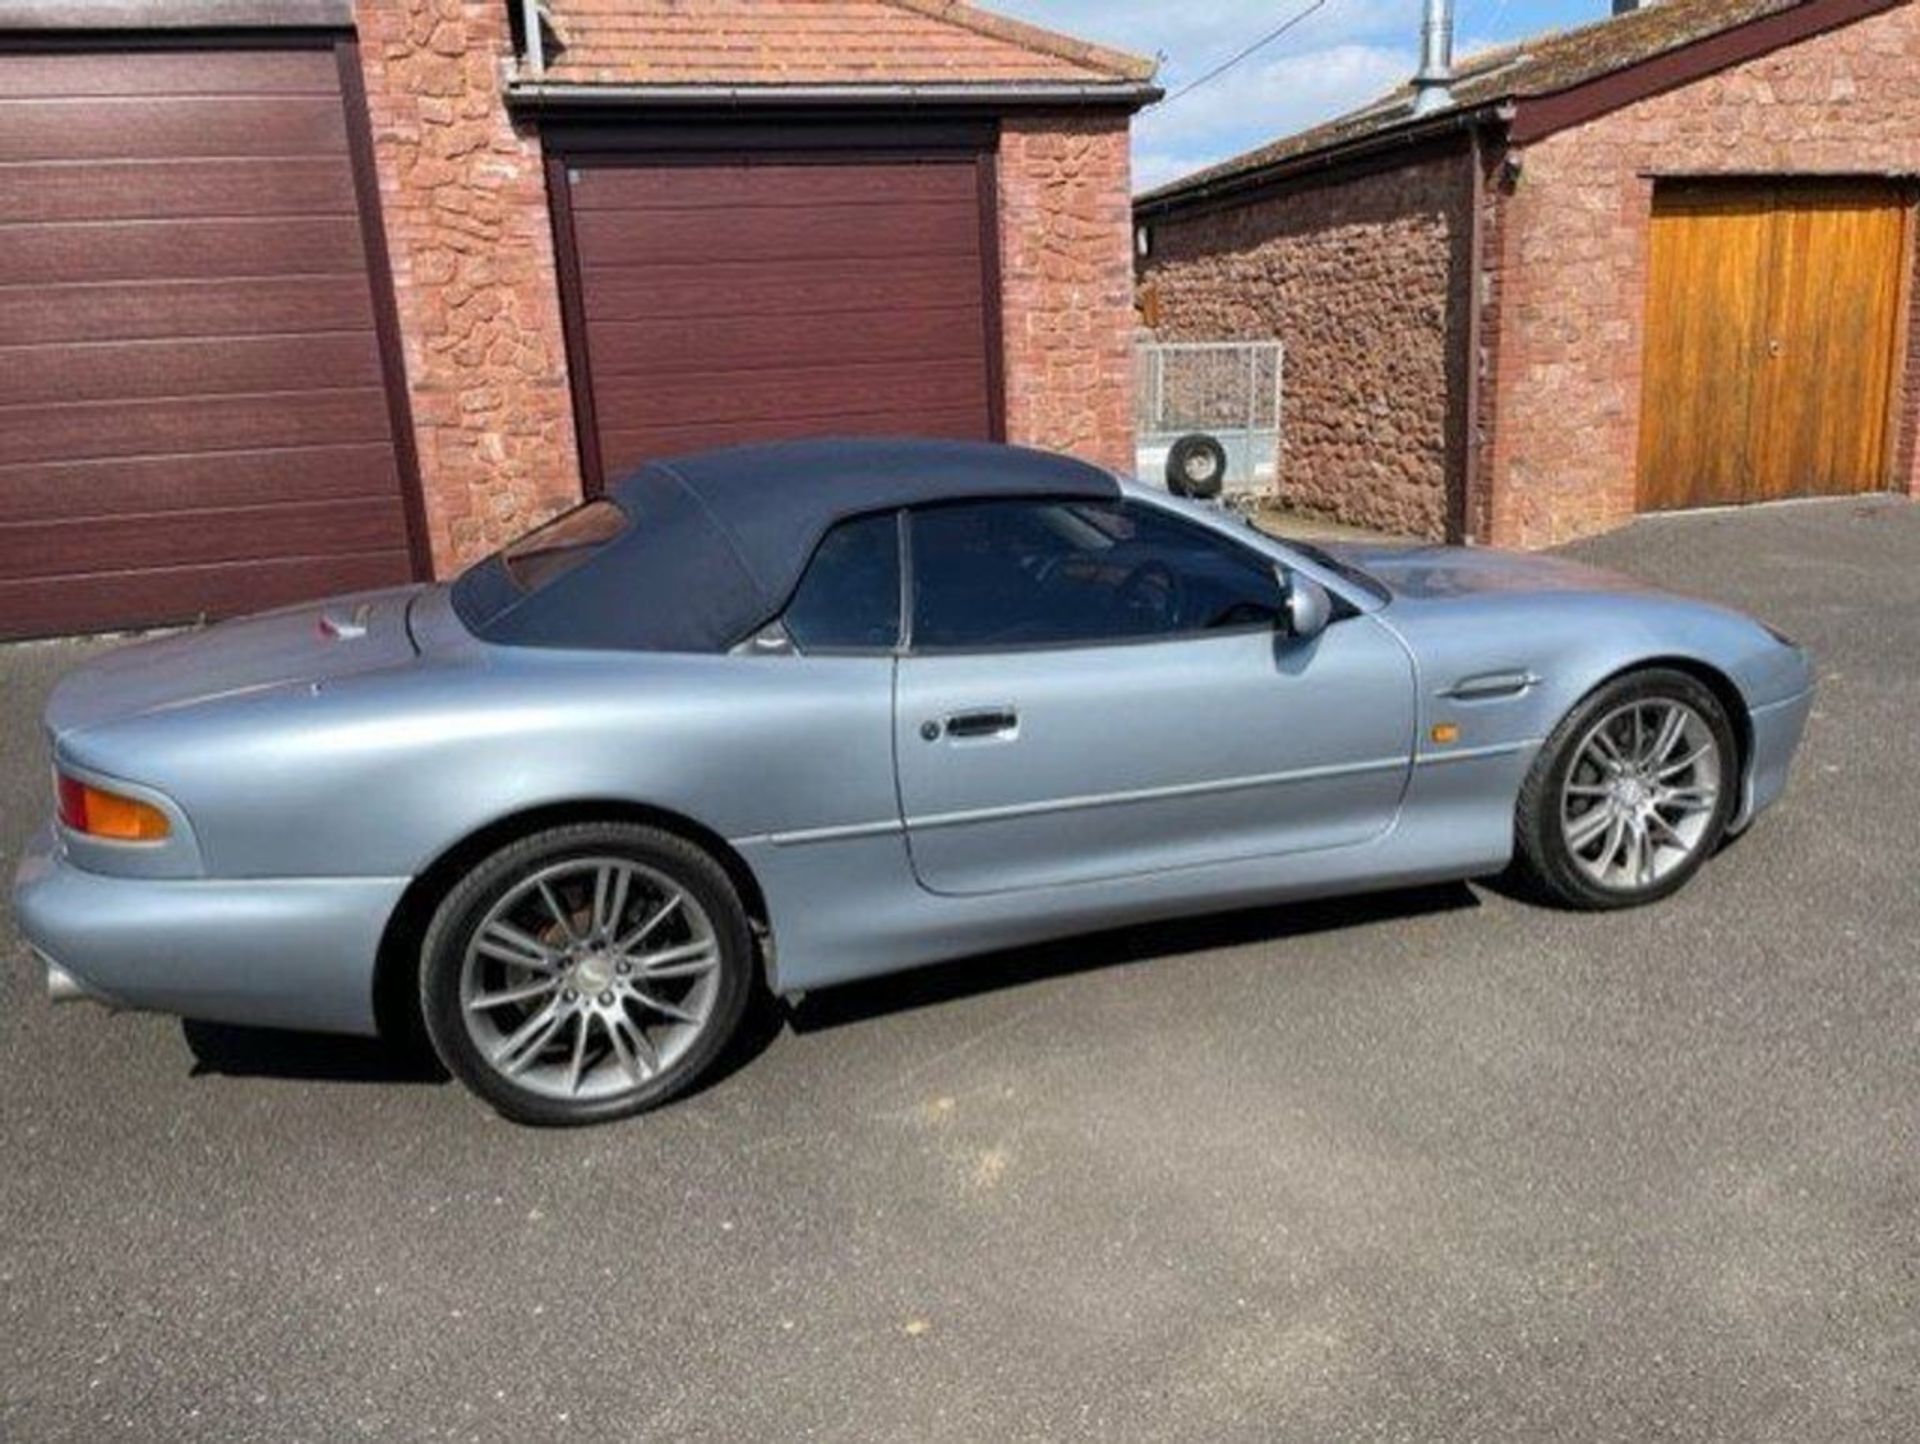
x,y
1192,36
1153,168
1266,99
1337,58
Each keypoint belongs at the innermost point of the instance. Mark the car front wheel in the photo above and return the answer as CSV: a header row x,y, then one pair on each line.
x,y
586,972
1631,793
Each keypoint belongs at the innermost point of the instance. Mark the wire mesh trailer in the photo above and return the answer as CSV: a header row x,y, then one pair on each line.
x,y
1207,416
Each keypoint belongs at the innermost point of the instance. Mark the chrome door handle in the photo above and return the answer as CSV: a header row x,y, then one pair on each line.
x,y
988,722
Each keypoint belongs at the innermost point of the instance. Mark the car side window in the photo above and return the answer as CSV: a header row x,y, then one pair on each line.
x,y
849,596
1040,573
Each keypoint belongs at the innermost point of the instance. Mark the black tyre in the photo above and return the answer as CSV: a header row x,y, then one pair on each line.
x,y
586,972
1631,793
1196,467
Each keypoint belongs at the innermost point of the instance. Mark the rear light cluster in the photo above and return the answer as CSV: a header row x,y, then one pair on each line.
x,y
99,813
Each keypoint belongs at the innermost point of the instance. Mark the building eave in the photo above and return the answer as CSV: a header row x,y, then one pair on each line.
x,y
997,95
1368,148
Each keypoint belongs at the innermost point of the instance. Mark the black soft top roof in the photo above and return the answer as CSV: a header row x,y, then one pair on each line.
x,y
717,541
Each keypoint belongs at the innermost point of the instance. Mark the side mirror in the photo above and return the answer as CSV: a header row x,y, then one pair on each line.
x,y
1305,606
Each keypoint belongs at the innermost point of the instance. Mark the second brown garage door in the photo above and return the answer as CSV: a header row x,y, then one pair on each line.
x,y
1773,323
745,299
194,408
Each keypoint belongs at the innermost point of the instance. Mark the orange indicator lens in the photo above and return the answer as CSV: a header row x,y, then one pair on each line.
x,y
99,813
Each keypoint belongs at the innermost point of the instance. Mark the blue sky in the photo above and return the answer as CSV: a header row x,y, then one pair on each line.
x,y
1348,52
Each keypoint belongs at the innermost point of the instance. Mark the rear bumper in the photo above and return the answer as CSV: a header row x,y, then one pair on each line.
x,y
1777,729
280,952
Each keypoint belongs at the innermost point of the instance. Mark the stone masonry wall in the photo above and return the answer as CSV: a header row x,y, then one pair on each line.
x,y
463,194
1364,283
1066,288
1574,255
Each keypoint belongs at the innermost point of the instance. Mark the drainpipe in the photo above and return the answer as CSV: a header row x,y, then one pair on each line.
x,y
1432,86
535,42
1467,520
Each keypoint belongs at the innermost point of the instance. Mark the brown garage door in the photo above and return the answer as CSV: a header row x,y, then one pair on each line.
x,y
194,414
745,299
1772,312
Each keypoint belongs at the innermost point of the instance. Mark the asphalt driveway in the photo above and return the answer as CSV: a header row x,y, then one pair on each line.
x,y
1436,1165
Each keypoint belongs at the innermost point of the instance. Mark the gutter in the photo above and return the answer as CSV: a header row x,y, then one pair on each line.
x,y
1158,204
550,95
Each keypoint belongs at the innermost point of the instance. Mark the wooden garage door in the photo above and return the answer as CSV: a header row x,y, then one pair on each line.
x,y
727,300
194,415
1772,314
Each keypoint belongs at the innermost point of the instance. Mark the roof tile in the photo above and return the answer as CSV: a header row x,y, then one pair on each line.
x,y
774,42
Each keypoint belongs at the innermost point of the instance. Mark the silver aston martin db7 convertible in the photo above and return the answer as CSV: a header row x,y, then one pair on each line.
x,y
785,716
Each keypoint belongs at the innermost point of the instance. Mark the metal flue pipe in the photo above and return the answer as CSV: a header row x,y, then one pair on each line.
x,y
1432,85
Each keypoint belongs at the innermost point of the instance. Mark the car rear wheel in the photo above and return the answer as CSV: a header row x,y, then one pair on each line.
x,y
1631,793
586,972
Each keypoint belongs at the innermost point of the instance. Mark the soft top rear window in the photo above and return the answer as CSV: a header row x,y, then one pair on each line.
x,y
551,551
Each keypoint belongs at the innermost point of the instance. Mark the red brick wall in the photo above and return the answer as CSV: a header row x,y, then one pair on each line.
x,y
1364,281
1575,254
464,200
1066,285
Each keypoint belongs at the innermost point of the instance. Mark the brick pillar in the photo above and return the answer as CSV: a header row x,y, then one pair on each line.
x,y
1066,285
463,192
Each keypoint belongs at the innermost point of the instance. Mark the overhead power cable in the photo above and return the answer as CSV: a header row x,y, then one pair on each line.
x,y
1261,44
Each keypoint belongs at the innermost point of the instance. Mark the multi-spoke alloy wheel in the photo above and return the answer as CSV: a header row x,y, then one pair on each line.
x,y
586,972
1631,793
589,977
1642,793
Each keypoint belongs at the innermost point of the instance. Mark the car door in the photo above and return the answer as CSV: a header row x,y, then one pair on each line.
x,y
1094,690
